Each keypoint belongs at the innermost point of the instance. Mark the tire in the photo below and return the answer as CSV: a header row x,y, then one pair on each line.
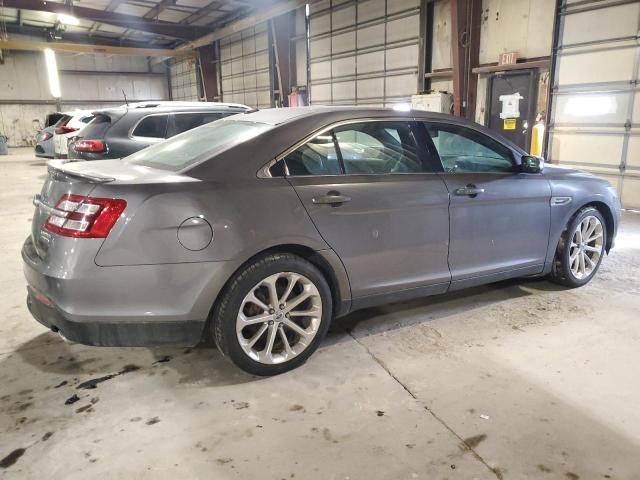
x,y
565,271
244,309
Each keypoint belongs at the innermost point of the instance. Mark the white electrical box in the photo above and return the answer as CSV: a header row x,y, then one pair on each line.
x,y
432,102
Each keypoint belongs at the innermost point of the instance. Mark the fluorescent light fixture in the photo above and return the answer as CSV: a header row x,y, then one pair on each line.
x,y
52,73
66,19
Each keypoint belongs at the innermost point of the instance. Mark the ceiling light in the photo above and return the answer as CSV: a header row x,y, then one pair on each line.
x,y
52,73
66,19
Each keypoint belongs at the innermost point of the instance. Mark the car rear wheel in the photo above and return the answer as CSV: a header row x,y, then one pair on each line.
x,y
580,249
273,314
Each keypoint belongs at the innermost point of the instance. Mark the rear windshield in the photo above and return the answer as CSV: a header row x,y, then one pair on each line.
x,y
193,146
98,127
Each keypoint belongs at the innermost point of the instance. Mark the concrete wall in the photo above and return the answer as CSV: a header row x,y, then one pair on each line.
x,y
24,88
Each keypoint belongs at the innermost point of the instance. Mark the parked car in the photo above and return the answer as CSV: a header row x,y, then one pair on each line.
x,y
44,143
259,229
44,139
118,132
69,125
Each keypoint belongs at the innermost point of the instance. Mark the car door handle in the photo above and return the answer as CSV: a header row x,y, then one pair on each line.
x,y
468,191
331,198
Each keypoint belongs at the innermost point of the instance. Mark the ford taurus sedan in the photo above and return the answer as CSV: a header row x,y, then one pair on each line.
x,y
258,230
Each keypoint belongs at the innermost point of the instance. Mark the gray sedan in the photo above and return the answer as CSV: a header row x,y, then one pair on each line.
x,y
258,231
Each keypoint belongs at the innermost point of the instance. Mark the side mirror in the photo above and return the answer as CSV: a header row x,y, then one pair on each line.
x,y
531,164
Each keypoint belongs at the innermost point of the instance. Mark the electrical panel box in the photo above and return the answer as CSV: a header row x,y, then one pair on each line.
x,y
432,102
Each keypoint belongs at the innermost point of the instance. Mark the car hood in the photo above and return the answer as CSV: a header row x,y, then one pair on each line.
x,y
118,171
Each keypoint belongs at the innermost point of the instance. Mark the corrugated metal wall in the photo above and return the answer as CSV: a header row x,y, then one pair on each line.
x,y
184,80
246,68
87,82
364,51
595,121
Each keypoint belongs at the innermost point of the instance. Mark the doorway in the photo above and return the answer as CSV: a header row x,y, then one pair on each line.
x,y
511,105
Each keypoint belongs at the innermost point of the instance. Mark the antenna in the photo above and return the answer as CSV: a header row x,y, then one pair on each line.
x,y
125,98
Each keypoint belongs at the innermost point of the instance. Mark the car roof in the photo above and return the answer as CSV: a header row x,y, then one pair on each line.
x,y
278,116
168,107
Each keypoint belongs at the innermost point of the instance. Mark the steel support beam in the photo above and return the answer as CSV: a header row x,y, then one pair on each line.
x,y
175,30
209,72
283,29
84,48
465,42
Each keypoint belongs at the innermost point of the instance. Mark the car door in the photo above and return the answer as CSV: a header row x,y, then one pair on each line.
x,y
499,216
378,203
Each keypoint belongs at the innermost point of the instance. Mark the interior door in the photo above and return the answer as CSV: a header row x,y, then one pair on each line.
x,y
499,217
377,204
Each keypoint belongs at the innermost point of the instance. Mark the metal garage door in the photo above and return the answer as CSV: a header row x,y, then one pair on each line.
x,y
183,78
245,67
364,51
596,106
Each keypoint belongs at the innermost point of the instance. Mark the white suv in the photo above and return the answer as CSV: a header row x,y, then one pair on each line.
x,y
68,126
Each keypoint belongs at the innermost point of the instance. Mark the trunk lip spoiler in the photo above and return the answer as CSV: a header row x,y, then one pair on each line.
x,y
93,178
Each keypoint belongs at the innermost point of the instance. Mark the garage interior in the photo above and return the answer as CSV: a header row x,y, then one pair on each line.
x,y
519,379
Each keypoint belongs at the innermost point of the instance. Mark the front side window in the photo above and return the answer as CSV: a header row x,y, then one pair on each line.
x,y
154,126
463,150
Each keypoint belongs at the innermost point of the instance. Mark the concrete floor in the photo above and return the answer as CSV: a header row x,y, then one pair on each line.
x,y
515,380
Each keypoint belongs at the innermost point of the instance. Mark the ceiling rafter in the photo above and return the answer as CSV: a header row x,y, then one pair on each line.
x,y
170,29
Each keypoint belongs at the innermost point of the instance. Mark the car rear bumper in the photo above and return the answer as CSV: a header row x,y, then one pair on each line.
x,y
138,305
113,334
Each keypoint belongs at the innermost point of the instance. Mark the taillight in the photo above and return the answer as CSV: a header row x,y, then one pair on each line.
x,y
84,217
63,129
95,146
45,136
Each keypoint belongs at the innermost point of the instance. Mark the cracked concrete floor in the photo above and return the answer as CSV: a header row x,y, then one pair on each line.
x,y
514,380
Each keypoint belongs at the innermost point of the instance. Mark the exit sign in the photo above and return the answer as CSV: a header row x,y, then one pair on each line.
x,y
508,58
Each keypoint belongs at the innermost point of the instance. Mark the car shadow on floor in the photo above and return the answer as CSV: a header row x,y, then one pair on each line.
x,y
205,365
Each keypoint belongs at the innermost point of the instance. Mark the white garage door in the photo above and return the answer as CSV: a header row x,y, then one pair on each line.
x,y
245,67
596,106
364,51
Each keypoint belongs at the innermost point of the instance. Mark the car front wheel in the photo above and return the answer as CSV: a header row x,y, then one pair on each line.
x,y
273,314
580,249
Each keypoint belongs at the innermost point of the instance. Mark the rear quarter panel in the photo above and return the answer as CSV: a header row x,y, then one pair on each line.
x,y
246,217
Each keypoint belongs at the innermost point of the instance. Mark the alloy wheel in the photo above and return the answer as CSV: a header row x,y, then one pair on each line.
x,y
587,245
279,318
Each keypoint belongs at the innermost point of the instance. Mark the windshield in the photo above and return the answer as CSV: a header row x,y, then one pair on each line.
x,y
190,147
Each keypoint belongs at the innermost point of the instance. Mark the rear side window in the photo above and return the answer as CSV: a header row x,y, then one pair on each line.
x,y
181,122
98,127
153,126
377,148
367,148
316,157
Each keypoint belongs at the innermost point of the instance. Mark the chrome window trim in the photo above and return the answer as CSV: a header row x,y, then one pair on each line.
x,y
265,173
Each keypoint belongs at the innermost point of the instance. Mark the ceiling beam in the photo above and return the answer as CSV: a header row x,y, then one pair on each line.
x,y
159,8
203,12
95,38
246,22
175,30
85,48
